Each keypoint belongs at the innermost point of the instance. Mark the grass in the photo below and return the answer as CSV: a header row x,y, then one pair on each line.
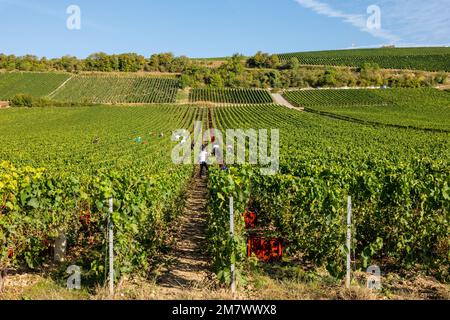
x,y
266,282
39,287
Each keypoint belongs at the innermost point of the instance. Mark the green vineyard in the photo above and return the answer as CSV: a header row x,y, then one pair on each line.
x,y
31,83
419,108
71,160
347,97
398,217
190,155
430,59
118,89
230,96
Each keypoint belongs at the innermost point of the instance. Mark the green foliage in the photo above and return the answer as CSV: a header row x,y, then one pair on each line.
x,y
22,100
398,179
263,60
35,205
128,62
166,62
222,249
89,155
328,78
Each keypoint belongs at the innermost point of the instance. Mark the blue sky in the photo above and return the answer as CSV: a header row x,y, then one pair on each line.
x,y
206,28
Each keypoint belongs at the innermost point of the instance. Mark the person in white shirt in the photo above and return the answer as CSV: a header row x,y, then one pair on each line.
x,y
202,160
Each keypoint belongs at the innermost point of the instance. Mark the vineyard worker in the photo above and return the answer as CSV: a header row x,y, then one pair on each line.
x,y
217,152
216,148
202,160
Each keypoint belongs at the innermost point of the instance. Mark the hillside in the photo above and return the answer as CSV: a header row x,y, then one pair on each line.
x,y
430,58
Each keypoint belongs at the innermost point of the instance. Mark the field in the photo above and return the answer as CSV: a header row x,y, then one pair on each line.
x,y
230,96
118,89
419,108
345,97
324,160
32,83
70,160
60,165
430,59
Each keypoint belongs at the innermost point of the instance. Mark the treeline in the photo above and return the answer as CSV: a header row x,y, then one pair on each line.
x,y
267,71
102,62
259,71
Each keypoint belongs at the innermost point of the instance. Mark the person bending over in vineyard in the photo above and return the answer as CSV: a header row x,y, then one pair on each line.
x,y
202,160
217,152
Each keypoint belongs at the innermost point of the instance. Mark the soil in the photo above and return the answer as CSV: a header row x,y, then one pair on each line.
x,y
278,98
187,263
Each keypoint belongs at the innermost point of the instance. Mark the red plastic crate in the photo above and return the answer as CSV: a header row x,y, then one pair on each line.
x,y
250,219
266,249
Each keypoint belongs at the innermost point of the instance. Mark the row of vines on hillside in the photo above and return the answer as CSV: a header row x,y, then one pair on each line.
x,y
401,199
431,59
118,89
231,96
61,178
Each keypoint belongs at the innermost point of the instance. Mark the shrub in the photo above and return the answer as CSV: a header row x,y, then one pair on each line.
x,y
22,100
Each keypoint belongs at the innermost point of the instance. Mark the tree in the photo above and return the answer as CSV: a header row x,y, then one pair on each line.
x,y
161,62
215,80
263,60
293,63
179,64
258,60
98,62
371,73
273,62
328,78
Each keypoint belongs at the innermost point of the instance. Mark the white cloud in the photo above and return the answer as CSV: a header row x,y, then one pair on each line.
x,y
357,20
418,21
404,22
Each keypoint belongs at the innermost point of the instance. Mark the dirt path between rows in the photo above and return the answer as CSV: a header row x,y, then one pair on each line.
x,y
279,99
51,94
188,269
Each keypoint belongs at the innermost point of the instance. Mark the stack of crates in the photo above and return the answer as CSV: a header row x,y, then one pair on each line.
x,y
267,249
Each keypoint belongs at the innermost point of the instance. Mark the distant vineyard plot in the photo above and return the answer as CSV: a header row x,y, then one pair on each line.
x,y
424,108
331,97
429,59
231,96
32,83
118,89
